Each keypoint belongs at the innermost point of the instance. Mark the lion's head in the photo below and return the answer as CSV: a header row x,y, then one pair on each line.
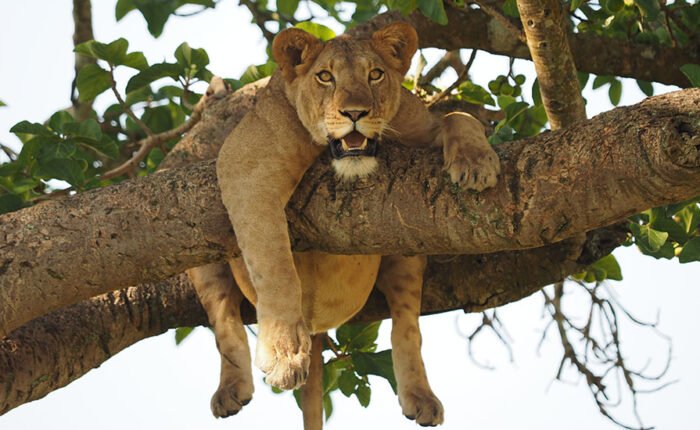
x,y
346,90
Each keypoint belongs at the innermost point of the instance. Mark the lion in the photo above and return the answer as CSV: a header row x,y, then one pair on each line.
x,y
344,96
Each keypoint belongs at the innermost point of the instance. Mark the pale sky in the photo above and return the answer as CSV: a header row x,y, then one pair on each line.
x,y
155,384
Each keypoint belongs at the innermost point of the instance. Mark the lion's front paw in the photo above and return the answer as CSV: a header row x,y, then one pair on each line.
x,y
283,353
421,405
231,397
473,168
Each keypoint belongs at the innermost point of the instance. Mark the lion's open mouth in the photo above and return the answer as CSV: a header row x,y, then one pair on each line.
x,y
353,144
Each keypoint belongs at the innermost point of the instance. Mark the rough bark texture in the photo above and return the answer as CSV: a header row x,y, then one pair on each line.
x,y
472,28
544,25
56,349
553,186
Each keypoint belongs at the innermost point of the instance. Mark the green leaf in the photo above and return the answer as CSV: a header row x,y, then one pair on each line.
x,y
359,337
136,60
10,203
65,169
375,363
610,267
433,9
181,333
575,4
363,394
476,94
615,92
59,120
646,87
2,103
347,382
691,251
692,71
403,6
187,57
92,81
89,129
114,52
656,238
287,7
599,81
152,74
650,9
319,30
33,128
327,406
510,8
123,7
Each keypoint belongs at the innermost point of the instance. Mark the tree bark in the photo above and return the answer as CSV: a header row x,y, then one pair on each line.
x,y
474,29
56,349
548,43
82,20
553,186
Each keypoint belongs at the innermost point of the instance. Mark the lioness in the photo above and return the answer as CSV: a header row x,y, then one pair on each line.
x,y
344,95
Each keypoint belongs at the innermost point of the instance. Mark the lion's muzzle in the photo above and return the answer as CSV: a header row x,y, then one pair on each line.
x,y
354,144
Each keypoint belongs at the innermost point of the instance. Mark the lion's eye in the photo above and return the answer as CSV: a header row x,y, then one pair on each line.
x,y
376,74
324,77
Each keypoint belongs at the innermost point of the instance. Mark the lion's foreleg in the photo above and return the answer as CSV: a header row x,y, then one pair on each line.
x,y
401,279
222,299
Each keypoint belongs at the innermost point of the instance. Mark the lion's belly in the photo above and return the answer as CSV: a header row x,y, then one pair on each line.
x,y
334,287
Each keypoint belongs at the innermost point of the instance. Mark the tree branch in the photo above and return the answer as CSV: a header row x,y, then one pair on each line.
x,y
474,29
547,40
56,349
553,186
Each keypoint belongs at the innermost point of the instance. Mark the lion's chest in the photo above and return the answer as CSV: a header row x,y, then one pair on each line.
x,y
334,287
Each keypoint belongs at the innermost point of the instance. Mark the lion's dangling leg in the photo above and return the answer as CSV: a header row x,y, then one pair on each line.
x,y
401,279
222,299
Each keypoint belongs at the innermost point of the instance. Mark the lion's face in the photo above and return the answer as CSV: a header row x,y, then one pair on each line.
x,y
346,91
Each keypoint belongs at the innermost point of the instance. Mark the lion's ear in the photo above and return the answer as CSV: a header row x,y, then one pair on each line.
x,y
396,43
295,50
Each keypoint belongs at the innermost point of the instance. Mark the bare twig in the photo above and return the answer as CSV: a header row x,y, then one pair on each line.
x,y
82,20
496,14
450,59
11,154
489,322
598,357
126,108
217,87
260,19
461,78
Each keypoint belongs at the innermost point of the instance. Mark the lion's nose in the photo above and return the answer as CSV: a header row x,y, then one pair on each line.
x,y
354,115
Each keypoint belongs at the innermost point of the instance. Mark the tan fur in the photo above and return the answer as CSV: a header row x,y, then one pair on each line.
x,y
260,165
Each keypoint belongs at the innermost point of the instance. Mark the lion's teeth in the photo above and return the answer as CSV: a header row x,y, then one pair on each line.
x,y
364,144
345,145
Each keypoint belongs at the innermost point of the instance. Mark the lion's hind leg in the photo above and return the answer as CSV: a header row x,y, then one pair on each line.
x,y
222,299
401,280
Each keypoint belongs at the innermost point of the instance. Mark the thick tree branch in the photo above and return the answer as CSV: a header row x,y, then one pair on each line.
x,y
56,349
553,186
474,29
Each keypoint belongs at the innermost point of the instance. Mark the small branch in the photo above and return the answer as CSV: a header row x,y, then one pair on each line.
x,y
126,108
260,19
450,59
489,322
461,78
82,20
496,14
599,357
217,87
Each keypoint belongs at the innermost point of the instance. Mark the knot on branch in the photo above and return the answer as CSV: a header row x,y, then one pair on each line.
x,y
685,149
